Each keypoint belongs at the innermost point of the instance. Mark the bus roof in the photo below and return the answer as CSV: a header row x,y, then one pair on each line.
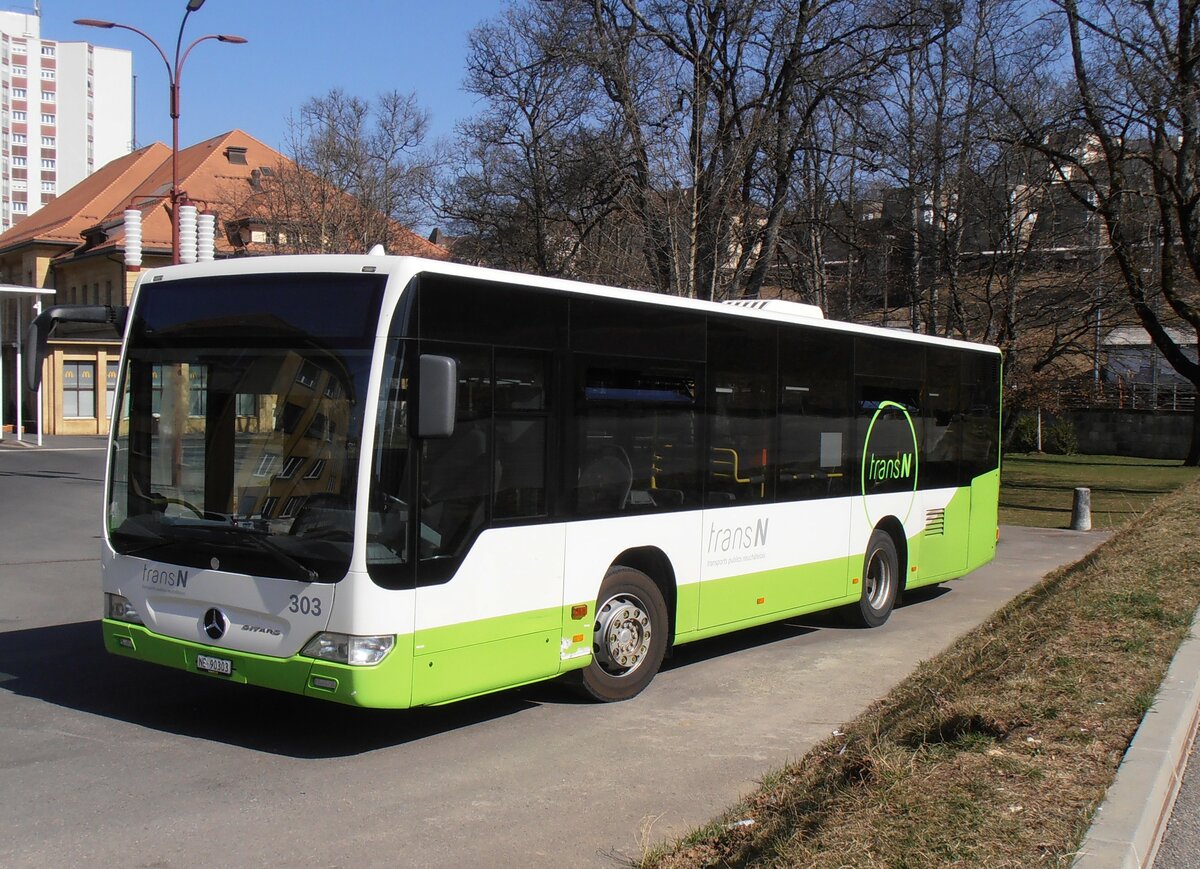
x,y
406,267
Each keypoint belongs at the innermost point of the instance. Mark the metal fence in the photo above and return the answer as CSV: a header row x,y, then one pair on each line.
x,y
1122,394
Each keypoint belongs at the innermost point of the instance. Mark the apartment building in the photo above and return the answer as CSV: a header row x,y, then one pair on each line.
x,y
66,108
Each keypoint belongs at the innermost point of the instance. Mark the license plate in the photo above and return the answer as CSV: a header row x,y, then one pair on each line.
x,y
214,665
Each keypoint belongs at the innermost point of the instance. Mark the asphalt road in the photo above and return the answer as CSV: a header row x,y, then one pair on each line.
x,y
1181,841
111,762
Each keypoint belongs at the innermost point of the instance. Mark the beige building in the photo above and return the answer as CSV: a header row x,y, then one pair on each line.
x,y
75,245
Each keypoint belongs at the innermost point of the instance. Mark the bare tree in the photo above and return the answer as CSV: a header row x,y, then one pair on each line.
x,y
1127,146
355,176
535,174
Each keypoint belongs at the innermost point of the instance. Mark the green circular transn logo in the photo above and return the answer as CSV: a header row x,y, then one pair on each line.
x,y
893,470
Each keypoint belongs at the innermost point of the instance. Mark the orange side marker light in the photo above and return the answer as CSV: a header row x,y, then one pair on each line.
x,y
578,638
762,600
579,610
854,581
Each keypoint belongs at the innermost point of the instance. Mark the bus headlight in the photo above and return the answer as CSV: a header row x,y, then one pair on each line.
x,y
119,608
349,648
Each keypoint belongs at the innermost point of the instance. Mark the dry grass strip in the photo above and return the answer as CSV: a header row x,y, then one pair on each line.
x,y
997,751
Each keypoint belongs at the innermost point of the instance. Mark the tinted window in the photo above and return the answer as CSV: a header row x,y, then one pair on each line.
x,y
457,309
611,328
636,437
521,405
944,418
741,408
981,373
815,424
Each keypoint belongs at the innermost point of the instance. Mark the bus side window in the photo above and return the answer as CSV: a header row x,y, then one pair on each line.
x,y
741,384
456,472
636,429
522,415
814,414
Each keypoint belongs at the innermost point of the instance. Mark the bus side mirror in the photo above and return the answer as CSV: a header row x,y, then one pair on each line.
x,y
44,323
438,390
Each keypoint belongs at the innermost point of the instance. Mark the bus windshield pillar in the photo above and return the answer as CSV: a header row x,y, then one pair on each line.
x,y
219,425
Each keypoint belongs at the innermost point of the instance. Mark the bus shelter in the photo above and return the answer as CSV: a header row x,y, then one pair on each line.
x,y
16,313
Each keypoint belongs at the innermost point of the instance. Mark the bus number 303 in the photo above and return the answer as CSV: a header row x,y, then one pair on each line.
x,y
305,605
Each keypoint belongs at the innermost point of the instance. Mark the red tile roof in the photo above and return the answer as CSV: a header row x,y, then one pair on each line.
x,y
144,179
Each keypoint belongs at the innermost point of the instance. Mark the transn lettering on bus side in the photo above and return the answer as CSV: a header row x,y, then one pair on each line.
x,y
164,578
738,537
898,468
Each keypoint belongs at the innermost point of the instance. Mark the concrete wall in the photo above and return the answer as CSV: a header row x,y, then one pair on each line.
x,y
1151,435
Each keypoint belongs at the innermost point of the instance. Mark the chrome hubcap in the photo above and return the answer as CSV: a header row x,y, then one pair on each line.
x,y
621,635
878,580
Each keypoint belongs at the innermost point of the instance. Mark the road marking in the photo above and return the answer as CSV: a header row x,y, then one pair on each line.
x,y
65,450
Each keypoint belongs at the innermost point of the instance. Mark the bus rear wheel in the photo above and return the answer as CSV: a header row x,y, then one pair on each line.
x,y
880,582
629,637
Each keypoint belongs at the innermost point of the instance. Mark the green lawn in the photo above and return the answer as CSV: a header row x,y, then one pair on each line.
x,y
1037,489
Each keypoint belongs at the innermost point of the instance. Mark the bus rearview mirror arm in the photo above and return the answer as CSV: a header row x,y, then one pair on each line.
x,y
40,329
438,390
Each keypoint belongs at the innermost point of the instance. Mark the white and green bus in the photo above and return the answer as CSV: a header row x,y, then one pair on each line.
x,y
393,482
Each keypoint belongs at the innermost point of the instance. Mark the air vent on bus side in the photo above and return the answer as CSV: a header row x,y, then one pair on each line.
x,y
935,522
779,306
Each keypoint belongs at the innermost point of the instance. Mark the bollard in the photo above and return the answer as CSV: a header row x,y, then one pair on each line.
x,y
1081,510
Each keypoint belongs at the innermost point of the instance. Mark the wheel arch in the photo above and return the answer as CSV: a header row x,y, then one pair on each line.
x,y
653,562
894,528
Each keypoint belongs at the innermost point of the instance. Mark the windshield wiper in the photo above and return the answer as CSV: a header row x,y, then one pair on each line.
x,y
264,544
192,533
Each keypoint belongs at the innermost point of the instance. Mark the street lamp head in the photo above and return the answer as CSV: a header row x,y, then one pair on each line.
x,y
229,37
193,5
95,22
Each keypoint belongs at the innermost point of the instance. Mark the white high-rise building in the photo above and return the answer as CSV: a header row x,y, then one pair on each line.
x,y
66,108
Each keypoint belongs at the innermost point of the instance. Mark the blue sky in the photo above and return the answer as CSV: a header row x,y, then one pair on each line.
x,y
296,50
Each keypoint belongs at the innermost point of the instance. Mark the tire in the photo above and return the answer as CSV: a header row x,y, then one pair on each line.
x,y
880,583
629,636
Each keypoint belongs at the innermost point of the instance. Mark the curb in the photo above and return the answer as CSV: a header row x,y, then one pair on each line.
x,y
1129,825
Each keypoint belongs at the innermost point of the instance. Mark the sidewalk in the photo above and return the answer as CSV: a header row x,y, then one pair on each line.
x,y
1129,827
53,442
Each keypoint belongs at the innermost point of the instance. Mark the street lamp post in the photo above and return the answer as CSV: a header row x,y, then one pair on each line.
x,y
173,74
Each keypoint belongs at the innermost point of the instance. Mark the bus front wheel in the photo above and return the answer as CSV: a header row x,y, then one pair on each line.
x,y
880,582
629,637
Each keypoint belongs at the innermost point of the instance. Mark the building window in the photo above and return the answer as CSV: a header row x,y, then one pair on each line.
x,y
48,74
197,385
19,93
268,506
20,139
79,390
47,51
266,465
47,141
110,387
20,208
20,161
47,96
18,116
19,70
47,118
48,186
47,163
316,470
290,467
292,506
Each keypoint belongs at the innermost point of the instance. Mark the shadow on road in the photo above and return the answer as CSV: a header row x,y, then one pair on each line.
x,y
67,666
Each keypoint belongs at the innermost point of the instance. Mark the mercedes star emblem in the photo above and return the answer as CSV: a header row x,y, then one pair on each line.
x,y
215,623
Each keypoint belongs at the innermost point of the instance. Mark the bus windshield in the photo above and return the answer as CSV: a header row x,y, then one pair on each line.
x,y
239,422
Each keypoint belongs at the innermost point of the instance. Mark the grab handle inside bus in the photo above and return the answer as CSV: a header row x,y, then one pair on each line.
x,y
44,323
439,386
